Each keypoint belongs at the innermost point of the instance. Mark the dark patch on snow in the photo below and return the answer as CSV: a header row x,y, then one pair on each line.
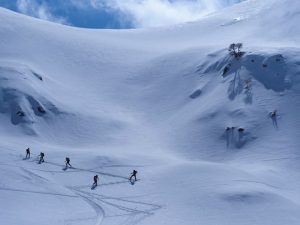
x,y
244,198
37,76
270,70
36,106
196,94
235,86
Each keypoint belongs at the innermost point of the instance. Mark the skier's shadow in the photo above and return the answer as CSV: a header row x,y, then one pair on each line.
x,y
67,167
132,181
93,186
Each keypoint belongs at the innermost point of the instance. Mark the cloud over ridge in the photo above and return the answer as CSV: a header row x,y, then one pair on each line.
x,y
39,10
152,13
129,13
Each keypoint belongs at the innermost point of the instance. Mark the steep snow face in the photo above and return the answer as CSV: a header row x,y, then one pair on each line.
x,y
173,103
29,106
195,121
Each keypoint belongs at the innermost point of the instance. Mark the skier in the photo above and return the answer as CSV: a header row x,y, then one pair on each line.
x,y
41,157
133,174
96,178
274,114
68,162
27,153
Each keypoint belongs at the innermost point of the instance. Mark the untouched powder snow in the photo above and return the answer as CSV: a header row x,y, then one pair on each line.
x,y
158,101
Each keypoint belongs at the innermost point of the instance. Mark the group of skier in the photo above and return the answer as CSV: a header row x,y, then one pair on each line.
x,y
67,161
41,156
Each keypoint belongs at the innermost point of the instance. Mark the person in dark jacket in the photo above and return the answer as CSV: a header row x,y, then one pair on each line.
x,y
68,162
133,174
96,178
42,155
27,153
274,114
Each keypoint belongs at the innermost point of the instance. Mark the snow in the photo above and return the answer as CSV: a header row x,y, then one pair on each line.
x,y
153,100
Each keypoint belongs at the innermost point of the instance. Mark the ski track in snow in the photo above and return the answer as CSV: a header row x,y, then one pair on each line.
x,y
132,214
98,209
127,215
99,202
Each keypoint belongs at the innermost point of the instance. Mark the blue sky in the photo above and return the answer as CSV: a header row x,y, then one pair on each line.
x,y
116,14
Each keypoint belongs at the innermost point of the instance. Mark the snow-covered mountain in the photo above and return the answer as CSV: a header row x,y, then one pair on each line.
x,y
159,101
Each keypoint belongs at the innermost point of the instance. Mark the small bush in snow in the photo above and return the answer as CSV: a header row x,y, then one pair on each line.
x,y
235,49
20,113
241,130
41,109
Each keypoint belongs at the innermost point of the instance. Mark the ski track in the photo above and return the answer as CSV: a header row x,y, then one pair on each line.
x,y
98,209
132,215
37,192
127,215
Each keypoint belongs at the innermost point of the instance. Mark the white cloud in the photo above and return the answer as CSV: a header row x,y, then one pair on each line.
x,y
152,13
81,4
38,10
85,4
139,13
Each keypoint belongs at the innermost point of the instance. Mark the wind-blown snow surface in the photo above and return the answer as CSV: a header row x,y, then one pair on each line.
x,y
156,101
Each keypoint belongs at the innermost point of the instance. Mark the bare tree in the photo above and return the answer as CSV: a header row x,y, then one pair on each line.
x,y
238,47
231,48
235,49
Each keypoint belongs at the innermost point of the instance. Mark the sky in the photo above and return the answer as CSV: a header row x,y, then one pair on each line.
x,y
117,14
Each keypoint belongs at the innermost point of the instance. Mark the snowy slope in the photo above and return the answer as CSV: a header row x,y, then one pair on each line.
x,y
153,100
